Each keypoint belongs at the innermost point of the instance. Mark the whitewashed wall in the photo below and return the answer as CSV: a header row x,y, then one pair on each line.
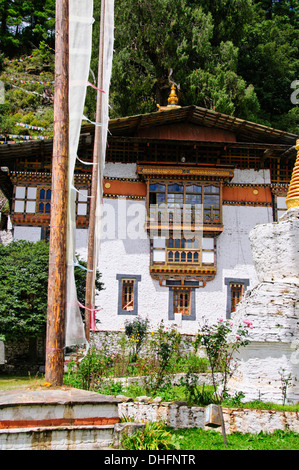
x,y
31,234
132,257
125,250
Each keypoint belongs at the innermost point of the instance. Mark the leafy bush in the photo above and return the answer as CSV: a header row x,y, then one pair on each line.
x,y
165,346
220,347
24,288
197,394
136,332
88,372
154,436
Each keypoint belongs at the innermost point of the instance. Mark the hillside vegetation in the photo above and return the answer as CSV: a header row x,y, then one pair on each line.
x,y
238,57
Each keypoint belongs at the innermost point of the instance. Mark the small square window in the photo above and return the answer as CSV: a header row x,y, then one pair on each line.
x,y
236,295
19,206
127,303
182,301
128,294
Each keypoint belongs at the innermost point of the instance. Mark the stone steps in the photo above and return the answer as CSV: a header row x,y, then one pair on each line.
x,y
58,419
58,438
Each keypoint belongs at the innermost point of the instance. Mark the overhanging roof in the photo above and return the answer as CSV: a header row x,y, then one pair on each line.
x,y
245,131
127,127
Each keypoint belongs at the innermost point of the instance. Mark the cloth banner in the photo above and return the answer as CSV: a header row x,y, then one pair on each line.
x,y
108,43
80,45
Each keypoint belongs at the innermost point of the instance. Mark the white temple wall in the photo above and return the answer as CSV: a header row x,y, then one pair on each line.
x,y
30,234
129,256
125,250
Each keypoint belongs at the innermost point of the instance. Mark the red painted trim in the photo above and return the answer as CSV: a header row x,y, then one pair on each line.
x,y
247,194
124,188
95,421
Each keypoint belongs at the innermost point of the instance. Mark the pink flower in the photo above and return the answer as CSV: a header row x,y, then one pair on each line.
x,y
237,336
220,319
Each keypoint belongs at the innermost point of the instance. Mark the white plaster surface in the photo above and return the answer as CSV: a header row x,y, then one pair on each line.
x,y
123,170
275,248
251,176
273,309
31,234
128,253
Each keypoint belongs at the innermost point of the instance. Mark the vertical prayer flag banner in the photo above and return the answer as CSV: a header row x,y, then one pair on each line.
x,y
80,44
2,92
107,48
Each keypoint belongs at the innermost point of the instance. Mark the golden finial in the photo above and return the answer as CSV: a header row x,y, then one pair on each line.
x,y
172,100
292,199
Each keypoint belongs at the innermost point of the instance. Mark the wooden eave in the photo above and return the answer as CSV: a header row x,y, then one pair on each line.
x,y
248,134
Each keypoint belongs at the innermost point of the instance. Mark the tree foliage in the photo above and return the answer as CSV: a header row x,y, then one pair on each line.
x,y
238,57
234,56
24,287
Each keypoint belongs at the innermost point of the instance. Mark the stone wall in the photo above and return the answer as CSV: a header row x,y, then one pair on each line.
x,y
23,357
179,416
114,342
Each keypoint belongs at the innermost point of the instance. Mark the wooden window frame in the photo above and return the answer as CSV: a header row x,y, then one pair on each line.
x,y
208,211
121,278
45,201
24,199
231,283
188,254
128,287
237,291
182,296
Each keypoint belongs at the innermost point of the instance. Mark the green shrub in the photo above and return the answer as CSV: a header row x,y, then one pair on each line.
x,y
154,436
136,331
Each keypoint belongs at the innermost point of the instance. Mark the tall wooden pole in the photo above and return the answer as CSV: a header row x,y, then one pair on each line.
x,y
90,281
55,341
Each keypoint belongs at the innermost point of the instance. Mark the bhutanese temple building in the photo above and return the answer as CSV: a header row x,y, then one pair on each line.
x,y
182,189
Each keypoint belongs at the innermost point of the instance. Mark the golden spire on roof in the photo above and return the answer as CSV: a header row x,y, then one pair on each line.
x,y
172,100
292,199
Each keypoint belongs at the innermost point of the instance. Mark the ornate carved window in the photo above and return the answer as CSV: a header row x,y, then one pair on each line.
x,y
184,218
180,203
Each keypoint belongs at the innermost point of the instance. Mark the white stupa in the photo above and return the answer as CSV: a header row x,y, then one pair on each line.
x,y
271,360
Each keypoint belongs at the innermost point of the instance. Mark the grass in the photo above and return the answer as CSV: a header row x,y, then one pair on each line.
x,y
8,382
199,439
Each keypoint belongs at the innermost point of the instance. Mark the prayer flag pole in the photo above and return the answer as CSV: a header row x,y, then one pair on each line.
x,y
55,340
97,149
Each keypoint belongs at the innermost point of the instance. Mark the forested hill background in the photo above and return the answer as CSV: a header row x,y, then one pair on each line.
x,y
238,57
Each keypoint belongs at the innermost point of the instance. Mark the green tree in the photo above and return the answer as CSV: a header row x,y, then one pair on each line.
x,y
24,287
269,60
192,39
24,24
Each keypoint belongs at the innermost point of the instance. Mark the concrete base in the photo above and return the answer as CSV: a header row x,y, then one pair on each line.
x,y
59,419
